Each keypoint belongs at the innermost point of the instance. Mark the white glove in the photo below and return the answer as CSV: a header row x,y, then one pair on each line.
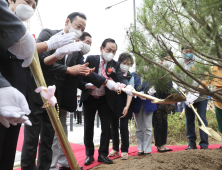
x,y
151,91
190,98
13,107
175,86
142,98
57,41
90,86
68,49
128,90
24,49
111,85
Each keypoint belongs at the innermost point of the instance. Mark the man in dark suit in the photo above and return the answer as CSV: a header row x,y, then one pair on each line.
x,y
101,99
68,98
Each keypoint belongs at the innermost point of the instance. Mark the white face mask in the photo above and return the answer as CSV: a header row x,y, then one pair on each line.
x,y
24,12
108,56
78,33
86,48
124,68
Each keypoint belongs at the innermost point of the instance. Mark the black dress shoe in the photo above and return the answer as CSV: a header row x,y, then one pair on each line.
x,y
191,147
104,159
68,168
89,160
140,153
204,147
147,153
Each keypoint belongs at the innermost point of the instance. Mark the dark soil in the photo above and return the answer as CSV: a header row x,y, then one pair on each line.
x,y
175,97
189,160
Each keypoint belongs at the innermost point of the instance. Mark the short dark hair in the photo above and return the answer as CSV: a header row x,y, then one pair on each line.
x,y
125,56
84,35
184,47
15,1
108,40
73,15
165,54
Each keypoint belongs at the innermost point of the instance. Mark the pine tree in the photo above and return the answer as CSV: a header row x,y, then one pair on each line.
x,y
163,27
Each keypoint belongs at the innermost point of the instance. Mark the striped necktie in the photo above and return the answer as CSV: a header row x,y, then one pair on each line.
x,y
103,71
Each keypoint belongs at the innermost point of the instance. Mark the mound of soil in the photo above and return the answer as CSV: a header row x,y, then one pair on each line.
x,y
189,160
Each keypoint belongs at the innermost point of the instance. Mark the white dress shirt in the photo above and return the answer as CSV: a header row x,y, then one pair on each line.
x,y
99,91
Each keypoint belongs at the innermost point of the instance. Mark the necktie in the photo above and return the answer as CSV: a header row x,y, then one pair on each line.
x,y
103,71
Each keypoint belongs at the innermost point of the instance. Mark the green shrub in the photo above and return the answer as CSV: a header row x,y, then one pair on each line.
x,y
212,121
177,127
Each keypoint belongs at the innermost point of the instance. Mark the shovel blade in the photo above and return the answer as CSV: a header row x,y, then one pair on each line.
x,y
214,134
204,128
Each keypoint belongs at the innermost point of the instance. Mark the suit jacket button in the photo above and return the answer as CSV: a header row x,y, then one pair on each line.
x,y
4,35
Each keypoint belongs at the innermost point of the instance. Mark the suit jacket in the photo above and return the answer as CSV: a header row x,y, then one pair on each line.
x,y
120,103
11,27
94,61
11,30
71,83
19,77
3,82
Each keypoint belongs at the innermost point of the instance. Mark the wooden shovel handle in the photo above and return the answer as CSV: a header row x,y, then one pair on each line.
x,y
136,93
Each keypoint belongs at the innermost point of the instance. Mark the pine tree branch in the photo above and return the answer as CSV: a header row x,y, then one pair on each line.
x,y
172,73
203,23
178,18
163,76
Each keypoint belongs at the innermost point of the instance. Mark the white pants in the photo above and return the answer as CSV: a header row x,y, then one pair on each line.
x,y
57,154
144,130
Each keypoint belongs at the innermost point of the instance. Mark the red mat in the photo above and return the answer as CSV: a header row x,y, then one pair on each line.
x,y
79,151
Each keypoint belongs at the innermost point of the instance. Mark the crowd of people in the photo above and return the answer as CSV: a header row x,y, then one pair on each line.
x,y
61,55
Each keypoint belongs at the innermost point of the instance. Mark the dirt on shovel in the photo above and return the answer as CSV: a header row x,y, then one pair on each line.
x,y
175,97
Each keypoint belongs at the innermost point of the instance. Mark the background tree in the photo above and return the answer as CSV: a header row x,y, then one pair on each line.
x,y
164,26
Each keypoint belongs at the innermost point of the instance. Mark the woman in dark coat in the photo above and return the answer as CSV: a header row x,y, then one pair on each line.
x,y
123,111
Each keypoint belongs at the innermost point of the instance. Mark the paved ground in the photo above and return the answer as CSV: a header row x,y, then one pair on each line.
x,y
75,136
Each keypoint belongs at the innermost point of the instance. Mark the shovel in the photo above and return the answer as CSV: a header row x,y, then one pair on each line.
x,y
154,99
207,130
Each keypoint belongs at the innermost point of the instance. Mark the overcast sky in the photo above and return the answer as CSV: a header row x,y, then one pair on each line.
x,y
101,23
